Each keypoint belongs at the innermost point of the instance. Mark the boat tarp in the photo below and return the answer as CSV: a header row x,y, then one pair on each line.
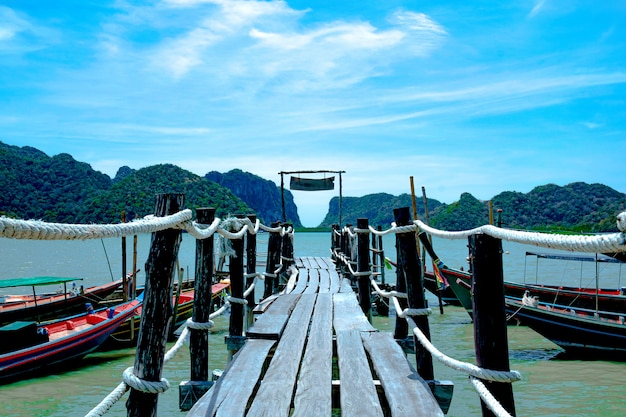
x,y
30,281
312,184
572,257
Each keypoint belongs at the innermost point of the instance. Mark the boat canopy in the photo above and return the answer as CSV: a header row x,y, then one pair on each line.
x,y
32,281
572,257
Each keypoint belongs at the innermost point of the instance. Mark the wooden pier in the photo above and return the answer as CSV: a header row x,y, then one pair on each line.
x,y
313,351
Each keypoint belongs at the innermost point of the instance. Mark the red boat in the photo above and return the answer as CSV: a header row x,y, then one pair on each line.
x,y
28,348
49,306
126,334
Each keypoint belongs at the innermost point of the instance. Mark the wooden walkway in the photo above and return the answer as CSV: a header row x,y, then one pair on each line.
x,y
312,352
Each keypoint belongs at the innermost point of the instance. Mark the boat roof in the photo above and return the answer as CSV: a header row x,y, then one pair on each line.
x,y
575,257
30,281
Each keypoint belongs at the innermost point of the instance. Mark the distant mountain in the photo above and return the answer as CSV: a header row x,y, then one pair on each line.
x,y
377,208
36,186
135,194
61,189
260,194
577,207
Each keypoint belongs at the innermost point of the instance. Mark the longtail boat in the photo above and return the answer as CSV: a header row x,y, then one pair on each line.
x,y
28,348
42,307
582,332
126,334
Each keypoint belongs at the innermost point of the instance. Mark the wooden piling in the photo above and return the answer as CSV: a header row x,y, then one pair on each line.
x,y
157,307
490,332
412,270
273,259
286,250
363,265
250,271
190,391
234,340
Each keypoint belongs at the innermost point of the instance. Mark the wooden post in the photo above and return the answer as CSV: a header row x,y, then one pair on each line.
x,y
273,259
250,270
402,328
490,333
157,308
381,255
234,340
411,266
190,391
286,250
124,277
363,265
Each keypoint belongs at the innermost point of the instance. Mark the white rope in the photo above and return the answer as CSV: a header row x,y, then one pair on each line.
x,y
491,402
39,230
468,368
386,294
605,243
109,401
235,300
150,387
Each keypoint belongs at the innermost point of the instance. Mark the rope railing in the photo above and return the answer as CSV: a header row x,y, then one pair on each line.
x,y
40,230
607,243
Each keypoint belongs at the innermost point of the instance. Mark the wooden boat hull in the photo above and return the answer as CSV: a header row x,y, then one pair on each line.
x,y
126,334
69,339
608,299
575,331
55,306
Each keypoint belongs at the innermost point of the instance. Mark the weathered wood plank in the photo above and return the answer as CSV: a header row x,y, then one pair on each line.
x,y
274,396
347,315
406,392
302,281
324,285
236,383
314,282
357,392
314,393
270,325
335,280
264,304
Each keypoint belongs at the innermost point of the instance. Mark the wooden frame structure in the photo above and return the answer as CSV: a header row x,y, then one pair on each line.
x,y
282,187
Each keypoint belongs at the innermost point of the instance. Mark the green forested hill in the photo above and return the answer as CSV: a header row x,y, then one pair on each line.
x,y
377,208
135,194
260,194
36,186
577,207
61,189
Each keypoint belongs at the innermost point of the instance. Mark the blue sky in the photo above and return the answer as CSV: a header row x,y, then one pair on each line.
x,y
479,97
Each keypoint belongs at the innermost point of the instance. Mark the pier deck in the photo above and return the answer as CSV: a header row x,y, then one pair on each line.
x,y
312,352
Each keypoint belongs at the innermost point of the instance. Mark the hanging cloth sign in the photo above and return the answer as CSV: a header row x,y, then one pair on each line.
x,y
311,184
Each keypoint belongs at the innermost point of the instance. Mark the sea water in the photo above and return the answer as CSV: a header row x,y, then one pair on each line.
x,y
551,386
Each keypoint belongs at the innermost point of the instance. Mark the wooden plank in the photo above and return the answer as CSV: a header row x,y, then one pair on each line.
x,y
275,393
264,304
345,285
314,393
347,314
357,392
270,325
406,392
299,262
324,286
314,282
301,283
291,282
236,383
335,281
